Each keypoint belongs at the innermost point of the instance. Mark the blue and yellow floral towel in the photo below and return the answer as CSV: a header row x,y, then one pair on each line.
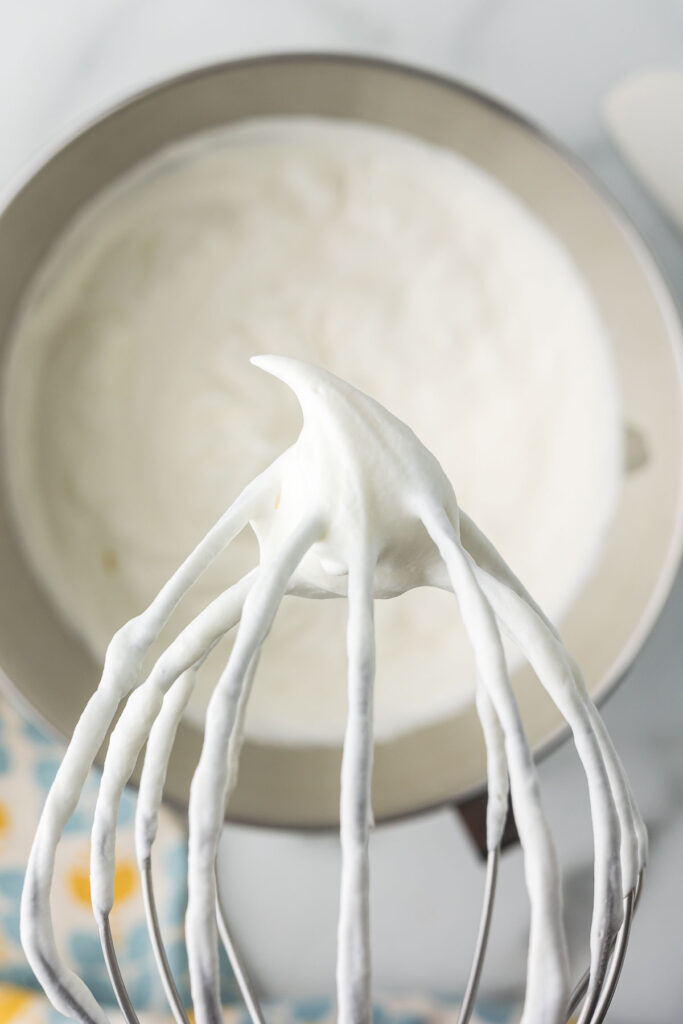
x,y
28,762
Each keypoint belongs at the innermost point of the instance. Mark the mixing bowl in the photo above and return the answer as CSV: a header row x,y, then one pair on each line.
x,y
44,662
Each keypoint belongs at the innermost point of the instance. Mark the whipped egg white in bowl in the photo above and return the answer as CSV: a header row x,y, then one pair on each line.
x,y
409,235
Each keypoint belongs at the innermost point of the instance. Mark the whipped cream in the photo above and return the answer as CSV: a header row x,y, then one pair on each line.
x,y
133,416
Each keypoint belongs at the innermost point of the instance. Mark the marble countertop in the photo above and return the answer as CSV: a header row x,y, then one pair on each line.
x,y
61,63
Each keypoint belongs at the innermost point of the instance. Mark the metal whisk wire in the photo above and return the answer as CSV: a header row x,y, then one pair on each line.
x,y
593,1013
160,958
596,1011
486,916
163,967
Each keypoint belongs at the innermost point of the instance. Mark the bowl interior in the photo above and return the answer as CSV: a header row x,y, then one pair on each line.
x,y
287,785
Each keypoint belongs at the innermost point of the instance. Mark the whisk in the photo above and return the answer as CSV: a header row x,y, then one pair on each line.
x,y
356,508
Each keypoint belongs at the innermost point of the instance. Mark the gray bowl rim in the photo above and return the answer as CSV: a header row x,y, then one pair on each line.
x,y
657,278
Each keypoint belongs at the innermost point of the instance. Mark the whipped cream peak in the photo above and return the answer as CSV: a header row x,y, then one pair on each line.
x,y
368,477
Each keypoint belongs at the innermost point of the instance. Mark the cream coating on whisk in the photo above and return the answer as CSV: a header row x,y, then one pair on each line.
x,y
357,508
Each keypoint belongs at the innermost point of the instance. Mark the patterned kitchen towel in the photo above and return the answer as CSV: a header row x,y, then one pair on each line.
x,y
28,762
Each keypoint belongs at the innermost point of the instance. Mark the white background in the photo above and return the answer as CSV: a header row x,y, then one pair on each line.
x,y
63,60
